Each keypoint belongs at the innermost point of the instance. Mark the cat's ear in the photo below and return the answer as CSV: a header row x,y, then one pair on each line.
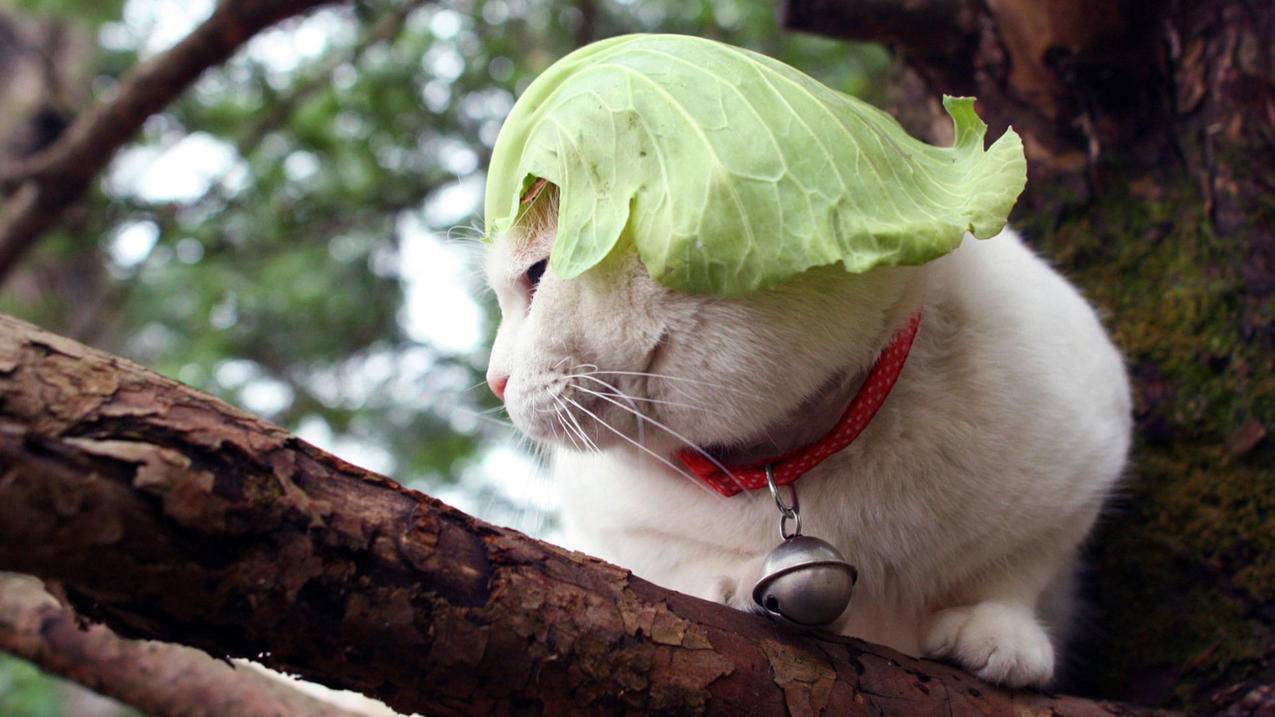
x,y
532,192
537,208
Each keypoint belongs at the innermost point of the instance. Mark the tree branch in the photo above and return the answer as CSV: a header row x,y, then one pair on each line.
x,y
44,185
155,677
932,27
168,514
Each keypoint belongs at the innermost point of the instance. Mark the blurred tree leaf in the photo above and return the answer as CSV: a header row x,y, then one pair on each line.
x,y
26,691
91,11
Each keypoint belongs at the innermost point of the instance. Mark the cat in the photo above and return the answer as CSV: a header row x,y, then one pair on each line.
x,y
962,504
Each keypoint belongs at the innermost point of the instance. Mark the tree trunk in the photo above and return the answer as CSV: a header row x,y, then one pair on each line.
x,y
170,515
1150,131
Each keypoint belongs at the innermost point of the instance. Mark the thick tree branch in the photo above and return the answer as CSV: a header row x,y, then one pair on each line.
x,y
933,27
42,187
156,677
168,514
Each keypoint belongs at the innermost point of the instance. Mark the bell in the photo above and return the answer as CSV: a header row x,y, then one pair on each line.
x,y
805,581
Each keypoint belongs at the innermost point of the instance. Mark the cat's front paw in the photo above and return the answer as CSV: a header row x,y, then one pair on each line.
x,y
999,642
728,591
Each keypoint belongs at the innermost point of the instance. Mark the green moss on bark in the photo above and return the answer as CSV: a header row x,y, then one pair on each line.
x,y
1181,567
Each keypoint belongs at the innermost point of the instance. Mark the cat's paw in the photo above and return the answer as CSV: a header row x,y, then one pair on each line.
x,y
724,591
1000,643
727,591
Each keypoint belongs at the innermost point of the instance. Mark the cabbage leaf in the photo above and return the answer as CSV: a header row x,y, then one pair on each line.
x,y
731,171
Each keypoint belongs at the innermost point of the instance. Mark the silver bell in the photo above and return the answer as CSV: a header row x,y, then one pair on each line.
x,y
805,581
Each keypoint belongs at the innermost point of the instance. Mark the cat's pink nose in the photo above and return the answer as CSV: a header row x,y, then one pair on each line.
x,y
497,384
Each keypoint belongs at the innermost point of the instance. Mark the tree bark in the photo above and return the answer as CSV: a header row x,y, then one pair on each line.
x,y
169,515
1150,129
155,677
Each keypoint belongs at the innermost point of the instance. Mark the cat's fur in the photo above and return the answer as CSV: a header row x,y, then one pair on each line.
x,y
963,502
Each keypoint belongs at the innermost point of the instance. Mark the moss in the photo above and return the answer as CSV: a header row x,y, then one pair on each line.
x,y
1182,565
1179,568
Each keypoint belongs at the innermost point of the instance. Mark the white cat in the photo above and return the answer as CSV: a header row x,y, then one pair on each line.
x,y
962,504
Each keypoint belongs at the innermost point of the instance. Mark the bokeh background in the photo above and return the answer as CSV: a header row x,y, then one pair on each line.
x,y
300,233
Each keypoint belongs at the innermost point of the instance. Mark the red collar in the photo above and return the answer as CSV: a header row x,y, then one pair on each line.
x,y
791,466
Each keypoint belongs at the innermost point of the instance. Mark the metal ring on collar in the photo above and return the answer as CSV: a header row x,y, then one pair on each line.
x,y
790,511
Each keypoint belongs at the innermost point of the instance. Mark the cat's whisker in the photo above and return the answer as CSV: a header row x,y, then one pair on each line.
x,y
618,392
485,412
471,233
583,433
640,427
565,429
691,444
540,480
557,415
661,376
539,450
666,377
557,418
534,475
578,428
485,415
644,449
553,430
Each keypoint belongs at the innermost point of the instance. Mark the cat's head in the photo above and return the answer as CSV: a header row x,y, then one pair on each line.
x,y
579,359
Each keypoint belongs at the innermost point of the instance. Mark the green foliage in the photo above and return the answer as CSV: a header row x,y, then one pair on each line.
x,y
93,12
26,691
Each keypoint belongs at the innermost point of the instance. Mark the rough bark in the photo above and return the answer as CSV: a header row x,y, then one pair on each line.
x,y
1150,129
39,189
170,515
155,677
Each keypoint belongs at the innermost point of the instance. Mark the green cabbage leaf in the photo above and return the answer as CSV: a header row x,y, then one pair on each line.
x,y
731,171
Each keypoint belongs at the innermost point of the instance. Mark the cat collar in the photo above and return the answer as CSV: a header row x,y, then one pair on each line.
x,y
789,467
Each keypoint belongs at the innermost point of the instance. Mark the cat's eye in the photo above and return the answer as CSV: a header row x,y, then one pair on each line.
x,y
534,273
